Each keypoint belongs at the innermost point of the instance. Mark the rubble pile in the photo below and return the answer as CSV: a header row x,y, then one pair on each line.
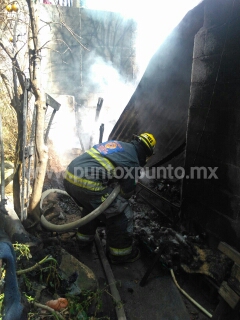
x,y
168,189
179,249
156,232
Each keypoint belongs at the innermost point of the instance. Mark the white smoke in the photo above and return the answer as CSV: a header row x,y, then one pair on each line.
x,y
155,21
115,91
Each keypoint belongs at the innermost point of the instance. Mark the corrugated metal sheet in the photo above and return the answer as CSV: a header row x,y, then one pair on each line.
x,y
161,100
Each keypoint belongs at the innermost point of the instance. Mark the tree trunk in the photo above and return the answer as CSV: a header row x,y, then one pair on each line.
x,y
40,104
18,160
16,188
41,161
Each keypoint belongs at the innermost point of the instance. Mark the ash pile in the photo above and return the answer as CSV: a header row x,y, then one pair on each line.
x,y
158,228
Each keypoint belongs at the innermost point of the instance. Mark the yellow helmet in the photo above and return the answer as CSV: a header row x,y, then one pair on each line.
x,y
148,140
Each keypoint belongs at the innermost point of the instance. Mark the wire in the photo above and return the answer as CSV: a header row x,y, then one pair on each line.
x,y
191,299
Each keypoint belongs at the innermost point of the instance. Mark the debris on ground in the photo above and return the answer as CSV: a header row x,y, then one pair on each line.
x,y
180,250
58,278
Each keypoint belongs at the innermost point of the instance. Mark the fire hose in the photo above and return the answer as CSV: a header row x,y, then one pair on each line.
x,y
82,221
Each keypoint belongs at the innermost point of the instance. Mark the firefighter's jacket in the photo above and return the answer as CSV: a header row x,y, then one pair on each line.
x,y
105,163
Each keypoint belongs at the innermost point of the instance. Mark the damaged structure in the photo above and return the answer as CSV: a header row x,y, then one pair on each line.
x,y
189,94
188,99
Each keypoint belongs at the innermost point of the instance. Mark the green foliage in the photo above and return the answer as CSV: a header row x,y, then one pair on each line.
x,y
1,304
79,305
29,298
27,282
22,250
50,274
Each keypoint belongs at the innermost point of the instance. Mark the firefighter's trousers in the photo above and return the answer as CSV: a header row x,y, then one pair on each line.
x,y
118,218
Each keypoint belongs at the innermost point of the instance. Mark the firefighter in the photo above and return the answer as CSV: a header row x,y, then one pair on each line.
x,y
91,177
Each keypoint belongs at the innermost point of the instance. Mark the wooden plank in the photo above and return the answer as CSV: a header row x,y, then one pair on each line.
x,y
234,280
235,272
229,252
52,102
224,311
234,284
229,295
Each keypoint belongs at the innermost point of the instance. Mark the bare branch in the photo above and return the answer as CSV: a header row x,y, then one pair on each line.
x,y
43,46
7,85
39,305
16,53
33,22
20,74
75,36
8,52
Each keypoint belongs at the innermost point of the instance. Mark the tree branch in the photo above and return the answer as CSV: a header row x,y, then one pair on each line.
x,y
7,85
42,306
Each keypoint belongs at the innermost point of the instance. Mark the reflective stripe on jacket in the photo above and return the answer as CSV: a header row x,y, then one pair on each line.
x,y
104,162
84,183
91,184
93,169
